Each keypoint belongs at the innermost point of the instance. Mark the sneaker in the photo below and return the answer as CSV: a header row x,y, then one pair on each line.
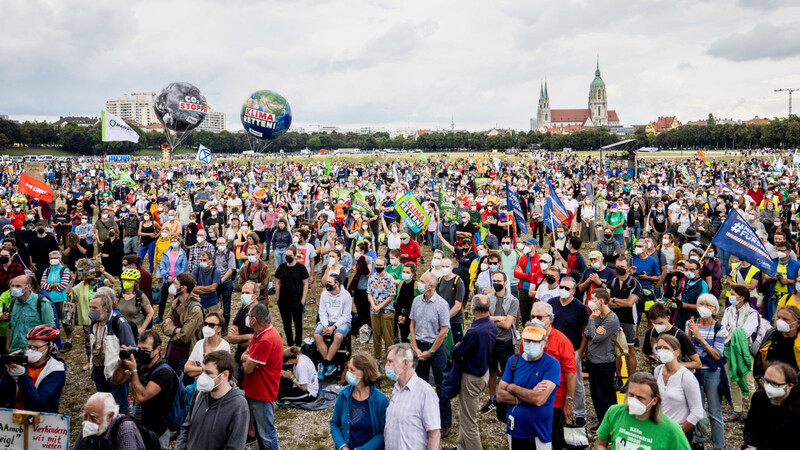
x,y
66,347
329,370
157,320
321,371
487,407
364,334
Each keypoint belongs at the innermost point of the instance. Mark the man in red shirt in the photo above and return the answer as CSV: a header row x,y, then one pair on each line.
x,y
529,273
409,249
262,363
559,347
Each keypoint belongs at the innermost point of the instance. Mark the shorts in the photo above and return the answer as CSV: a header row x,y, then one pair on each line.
x,y
502,351
630,332
344,330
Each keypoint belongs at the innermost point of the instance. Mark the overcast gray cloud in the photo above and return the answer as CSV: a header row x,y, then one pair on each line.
x,y
359,62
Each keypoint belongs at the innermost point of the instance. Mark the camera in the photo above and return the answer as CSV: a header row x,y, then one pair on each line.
x,y
18,359
126,353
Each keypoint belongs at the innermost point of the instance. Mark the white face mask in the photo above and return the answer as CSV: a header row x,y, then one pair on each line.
x,y
446,271
172,290
207,332
53,262
635,407
34,356
704,312
774,391
782,326
660,328
593,305
436,262
200,239
564,294
90,429
665,355
689,275
339,247
205,383
484,267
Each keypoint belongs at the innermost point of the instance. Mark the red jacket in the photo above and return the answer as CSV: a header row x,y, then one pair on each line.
x,y
412,250
527,274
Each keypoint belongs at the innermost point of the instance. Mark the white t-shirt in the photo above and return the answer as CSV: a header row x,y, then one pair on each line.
x,y
305,254
544,293
197,352
306,374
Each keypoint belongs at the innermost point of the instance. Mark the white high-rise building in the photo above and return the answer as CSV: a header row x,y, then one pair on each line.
x,y
214,121
138,107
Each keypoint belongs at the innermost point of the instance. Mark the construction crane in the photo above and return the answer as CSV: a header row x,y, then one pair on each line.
x,y
789,90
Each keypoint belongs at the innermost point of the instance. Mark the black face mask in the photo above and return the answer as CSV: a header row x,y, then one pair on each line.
x,y
4,259
40,231
621,271
607,236
551,279
379,269
498,287
329,287
290,259
143,358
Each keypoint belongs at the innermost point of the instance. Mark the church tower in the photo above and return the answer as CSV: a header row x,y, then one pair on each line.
x,y
543,113
598,102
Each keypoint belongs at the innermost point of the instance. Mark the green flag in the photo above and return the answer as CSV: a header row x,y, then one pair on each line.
x,y
359,203
446,206
123,176
422,156
110,172
327,166
481,182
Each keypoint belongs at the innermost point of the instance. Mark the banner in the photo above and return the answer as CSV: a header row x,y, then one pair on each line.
x,y
412,213
359,203
422,156
115,129
124,177
513,205
796,158
110,172
481,182
44,430
35,169
203,155
736,237
34,188
447,207
554,211
327,166
496,161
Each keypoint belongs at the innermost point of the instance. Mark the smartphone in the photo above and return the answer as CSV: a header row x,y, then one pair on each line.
x,y
510,422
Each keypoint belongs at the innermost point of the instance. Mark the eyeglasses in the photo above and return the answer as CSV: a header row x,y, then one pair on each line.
x,y
540,317
210,324
776,384
35,347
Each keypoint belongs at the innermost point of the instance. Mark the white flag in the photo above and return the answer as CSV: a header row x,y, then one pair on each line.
x,y
115,129
203,155
496,163
796,158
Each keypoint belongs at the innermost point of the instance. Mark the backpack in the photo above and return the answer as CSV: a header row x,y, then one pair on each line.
x,y
148,437
180,404
41,301
138,306
758,335
115,326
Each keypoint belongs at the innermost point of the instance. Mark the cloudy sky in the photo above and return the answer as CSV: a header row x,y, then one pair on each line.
x,y
384,63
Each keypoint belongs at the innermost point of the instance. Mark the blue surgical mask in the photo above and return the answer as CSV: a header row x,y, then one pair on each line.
x,y
203,265
391,374
493,267
506,247
352,380
532,349
596,265
246,299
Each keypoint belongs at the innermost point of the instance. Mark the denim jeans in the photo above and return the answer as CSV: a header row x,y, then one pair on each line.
x,y
267,239
150,251
433,240
224,292
436,363
280,256
263,415
119,391
710,380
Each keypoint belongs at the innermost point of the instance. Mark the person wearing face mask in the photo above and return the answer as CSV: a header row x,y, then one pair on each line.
x,y
153,384
184,326
359,415
639,423
208,280
597,275
358,289
616,221
202,245
529,273
625,292
381,292
220,415
528,388
40,245
37,386
173,262
483,285
503,311
291,291
212,341
112,251
451,288
682,400
132,303
600,333
693,287
774,410
148,233
280,240
781,343
255,270
509,258
299,383
549,289
430,323
224,261
56,280
783,282
412,417
609,247
335,316
105,427
102,226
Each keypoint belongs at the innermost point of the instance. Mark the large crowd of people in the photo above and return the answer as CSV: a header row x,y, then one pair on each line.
x,y
497,309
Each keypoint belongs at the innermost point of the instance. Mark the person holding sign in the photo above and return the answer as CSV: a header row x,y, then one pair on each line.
x,y
37,386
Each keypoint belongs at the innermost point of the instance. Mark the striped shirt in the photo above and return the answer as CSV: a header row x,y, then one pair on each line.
x,y
708,335
413,412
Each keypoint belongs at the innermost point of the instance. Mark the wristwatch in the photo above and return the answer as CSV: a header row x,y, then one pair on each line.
x,y
569,399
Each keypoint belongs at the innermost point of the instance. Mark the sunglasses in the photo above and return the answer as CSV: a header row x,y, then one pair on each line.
x,y
540,317
210,324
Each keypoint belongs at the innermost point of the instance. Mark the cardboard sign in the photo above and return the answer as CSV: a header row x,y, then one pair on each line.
x,y
50,433
35,169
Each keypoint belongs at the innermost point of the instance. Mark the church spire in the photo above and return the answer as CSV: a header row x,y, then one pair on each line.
x,y
541,91
597,70
546,94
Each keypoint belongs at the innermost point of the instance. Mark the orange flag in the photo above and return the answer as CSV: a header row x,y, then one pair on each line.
x,y
34,188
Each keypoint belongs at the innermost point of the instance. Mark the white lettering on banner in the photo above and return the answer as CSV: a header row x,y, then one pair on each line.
x,y
745,236
259,118
193,107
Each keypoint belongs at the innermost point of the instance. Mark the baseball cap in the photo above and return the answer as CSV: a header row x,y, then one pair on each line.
x,y
595,254
532,241
533,333
404,236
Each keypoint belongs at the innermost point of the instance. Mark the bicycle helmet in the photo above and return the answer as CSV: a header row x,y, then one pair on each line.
x,y
131,274
43,333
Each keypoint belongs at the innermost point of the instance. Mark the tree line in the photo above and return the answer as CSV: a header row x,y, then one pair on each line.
x,y
779,133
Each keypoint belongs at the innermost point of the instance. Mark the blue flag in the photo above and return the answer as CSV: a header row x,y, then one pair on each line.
x,y
203,155
512,204
554,212
736,237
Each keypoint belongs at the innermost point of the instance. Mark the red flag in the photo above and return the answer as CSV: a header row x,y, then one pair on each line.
x,y
34,188
701,154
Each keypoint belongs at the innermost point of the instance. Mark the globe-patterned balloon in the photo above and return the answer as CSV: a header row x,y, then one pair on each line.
x,y
266,115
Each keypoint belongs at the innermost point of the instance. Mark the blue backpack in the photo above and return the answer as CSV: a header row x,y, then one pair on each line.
x,y
180,407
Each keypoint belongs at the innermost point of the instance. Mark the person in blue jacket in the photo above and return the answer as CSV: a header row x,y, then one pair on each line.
x,y
40,384
360,411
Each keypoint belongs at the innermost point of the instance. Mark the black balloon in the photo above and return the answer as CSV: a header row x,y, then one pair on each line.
x,y
180,106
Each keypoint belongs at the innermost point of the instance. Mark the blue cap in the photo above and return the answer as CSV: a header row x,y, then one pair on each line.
x,y
532,241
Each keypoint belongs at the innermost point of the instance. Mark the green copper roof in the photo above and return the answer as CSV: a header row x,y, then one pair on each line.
x,y
598,82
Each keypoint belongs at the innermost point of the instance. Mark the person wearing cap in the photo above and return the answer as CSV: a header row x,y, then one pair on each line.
x,y
529,273
37,386
616,221
529,390
409,249
598,275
